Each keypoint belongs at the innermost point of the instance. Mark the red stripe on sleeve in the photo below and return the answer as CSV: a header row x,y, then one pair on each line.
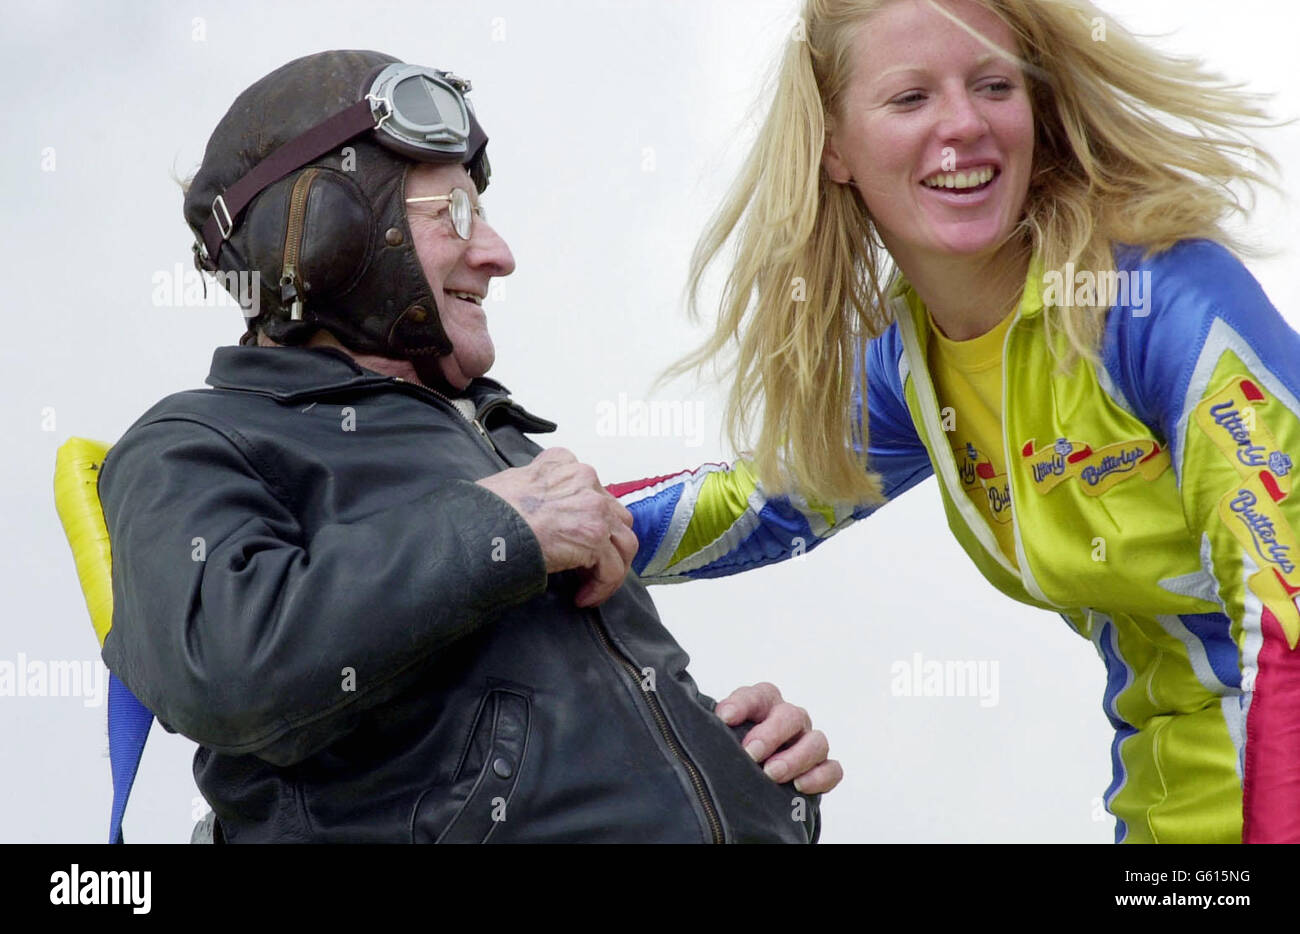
x,y
1271,783
622,489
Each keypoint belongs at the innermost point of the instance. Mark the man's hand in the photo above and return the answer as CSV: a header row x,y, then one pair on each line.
x,y
576,520
781,724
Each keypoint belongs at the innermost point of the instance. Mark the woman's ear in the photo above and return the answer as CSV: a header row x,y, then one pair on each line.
x,y
832,162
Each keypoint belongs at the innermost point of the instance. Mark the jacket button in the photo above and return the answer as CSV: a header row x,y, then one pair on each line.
x,y
393,236
502,768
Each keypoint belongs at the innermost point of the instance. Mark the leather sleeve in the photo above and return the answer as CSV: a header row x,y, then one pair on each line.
x,y
243,634
813,824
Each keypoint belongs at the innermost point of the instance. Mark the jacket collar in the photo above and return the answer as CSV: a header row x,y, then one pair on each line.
x,y
1031,298
292,373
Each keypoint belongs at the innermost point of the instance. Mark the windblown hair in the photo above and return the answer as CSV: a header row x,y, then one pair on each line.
x,y
1131,146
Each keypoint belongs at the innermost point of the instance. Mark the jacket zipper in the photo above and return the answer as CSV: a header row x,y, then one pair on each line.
x,y
290,281
459,417
1026,575
661,720
697,781
941,453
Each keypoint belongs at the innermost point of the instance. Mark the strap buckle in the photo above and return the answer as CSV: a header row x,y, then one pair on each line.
x,y
460,84
220,202
202,261
381,108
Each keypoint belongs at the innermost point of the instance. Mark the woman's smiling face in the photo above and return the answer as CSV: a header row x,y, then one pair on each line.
x,y
935,128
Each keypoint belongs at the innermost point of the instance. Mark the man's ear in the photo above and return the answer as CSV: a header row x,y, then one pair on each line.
x,y
832,162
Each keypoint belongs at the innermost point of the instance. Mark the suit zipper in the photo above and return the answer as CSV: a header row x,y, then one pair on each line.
x,y
697,780
945,465
1027,579
661,720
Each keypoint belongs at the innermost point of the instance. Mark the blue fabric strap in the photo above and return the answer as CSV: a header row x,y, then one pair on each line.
x,y
128,728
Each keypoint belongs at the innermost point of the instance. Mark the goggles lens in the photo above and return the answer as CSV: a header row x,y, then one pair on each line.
x,y
424,102
427,111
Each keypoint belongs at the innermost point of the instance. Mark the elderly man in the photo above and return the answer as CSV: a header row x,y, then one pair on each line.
x,y
345,571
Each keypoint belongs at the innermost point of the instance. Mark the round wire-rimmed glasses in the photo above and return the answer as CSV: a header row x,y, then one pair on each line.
x,y
461,207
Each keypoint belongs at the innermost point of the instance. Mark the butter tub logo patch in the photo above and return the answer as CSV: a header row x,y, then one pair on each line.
x,y
1229,418
1266,534
1250,509
968,462
1097,471
976,470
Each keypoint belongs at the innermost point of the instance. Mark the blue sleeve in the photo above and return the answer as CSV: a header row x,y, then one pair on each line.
x,y
716,520
1197,302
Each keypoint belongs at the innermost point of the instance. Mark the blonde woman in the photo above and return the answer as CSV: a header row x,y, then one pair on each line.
x,y
984,239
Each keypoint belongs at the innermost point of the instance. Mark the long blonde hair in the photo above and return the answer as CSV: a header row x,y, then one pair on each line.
x,y
808,283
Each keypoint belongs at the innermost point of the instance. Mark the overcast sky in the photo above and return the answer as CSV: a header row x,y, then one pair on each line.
x,y
615,129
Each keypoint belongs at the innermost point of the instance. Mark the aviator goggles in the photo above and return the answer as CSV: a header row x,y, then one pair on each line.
x,y
419,112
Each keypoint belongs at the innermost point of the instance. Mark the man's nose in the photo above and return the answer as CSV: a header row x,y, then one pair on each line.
x,y
488,251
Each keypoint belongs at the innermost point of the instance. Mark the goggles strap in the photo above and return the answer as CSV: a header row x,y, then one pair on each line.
x,y
320,139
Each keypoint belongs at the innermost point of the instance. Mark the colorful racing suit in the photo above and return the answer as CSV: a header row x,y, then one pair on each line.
x,y
1152,509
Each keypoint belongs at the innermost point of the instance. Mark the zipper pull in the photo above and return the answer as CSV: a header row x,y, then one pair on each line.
x,y
289,291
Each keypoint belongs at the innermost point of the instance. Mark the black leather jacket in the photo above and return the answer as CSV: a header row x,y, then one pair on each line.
x,y
365,643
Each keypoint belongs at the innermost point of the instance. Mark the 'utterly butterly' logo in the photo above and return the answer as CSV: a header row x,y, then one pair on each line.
x,y
975,469
1054,464
1097,470
1230,418
1262,529
1124,460
1250,508
967,464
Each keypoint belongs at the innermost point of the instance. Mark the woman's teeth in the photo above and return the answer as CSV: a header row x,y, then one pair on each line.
x,y
972,179
467,296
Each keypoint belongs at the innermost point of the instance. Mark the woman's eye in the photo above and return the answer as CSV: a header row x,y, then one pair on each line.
x,y
1000,86
911,97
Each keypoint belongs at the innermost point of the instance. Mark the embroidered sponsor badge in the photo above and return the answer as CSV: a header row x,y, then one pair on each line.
x,y
1250,509
1097,471
977,470
997,494
1230,420
968,462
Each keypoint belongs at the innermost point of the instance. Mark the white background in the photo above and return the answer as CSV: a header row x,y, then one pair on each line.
x,y
615,127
